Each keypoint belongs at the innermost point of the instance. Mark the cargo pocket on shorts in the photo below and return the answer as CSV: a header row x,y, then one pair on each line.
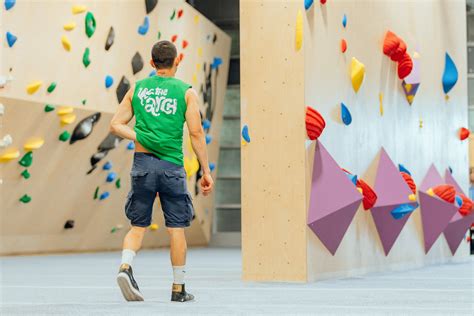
x,y
189,206
128,204
175,182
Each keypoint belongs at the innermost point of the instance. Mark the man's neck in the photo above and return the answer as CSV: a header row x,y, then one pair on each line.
x,y
165,73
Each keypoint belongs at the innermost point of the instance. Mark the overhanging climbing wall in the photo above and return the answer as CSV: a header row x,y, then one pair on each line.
x,y
72,184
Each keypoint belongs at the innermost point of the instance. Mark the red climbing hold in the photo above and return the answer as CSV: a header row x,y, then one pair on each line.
x,y
405,66
323,1
180,13
314,123
174,38
409,180
398,53
370,197
466,207
445,192
343,45
185,44
463,133
181,57
390,43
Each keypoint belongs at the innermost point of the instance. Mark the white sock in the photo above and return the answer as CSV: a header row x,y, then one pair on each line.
x,y
127,256
178,274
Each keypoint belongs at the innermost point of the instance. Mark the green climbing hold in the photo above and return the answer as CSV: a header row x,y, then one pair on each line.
x,y
27,159
113,230
25,174
96,193
48,108
51,87
25,199
159,35
90,24
84,102
64,136
85,58
173,15
117,183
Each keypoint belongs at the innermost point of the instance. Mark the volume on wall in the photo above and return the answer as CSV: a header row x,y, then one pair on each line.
x,y
77,183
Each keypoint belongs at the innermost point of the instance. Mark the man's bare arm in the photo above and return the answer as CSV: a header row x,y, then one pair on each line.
x,y
122,117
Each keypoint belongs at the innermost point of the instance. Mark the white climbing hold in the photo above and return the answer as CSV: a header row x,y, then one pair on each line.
x,y
6,141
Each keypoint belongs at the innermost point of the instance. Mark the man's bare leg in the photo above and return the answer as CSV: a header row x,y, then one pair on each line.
x,y
178,249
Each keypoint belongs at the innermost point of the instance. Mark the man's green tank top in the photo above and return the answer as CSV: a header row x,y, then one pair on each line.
x,y
159,105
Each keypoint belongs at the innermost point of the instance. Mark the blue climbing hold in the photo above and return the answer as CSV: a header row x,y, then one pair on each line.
x,y
245,133
402,168
352,177
152,73
104,195
344,20
208,139
450,170
107,166
11,39
308,4
458,201
109,81
131,145
206,124
450,75
400,211
212,166
216,63
345,114
111,176
9,4
143,29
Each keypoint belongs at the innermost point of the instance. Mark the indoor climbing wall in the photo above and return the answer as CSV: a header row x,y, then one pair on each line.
x,y
64,177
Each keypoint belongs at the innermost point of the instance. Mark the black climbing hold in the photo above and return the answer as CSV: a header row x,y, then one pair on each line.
x,y
110,142
98,156
84,127
110,38
150,5
137,63
122,88
69,224
214,39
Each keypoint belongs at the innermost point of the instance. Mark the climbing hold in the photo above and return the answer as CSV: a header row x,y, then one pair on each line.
x,y
69,224
109,81
64,136
299,31
25,174
66,43
173,15
191,166
206,124
391,43
158,35
110,142
84,127
450,170
110,38
212,166
84,101
199,51
131,145
465,208
245,133
402,210
352,177
405,66
33,87
96,193
90,24
11,39
77,9
412,197
180,13
381,103
67,119
208,139
9,154
116,228
137,63
458,201
107,166
399,52
86,61
450,75
174,38
27,159
308,4
410,90
25,199
409,180
402,168
359,190
345,114
343,45
315,123
214,38
33,143
111,177
445,192
357,74
344,20
152,73
62,110
185,44
217,61
181,57
69,26
370,197
150,5
9,4
122,88
463,133
118,184
153,227
143,29
51,87
196,19
6,141
104,195
322,1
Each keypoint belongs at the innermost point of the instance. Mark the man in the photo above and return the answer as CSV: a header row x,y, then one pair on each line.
x,y
161,104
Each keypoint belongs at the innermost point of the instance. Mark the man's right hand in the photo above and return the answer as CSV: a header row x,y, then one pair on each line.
x,y
207,184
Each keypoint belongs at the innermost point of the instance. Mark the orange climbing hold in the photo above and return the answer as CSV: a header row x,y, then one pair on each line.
x,y
370,197
343,45
405,66
174,38
466,207
409,180
390,43
445,192
314,123
463,133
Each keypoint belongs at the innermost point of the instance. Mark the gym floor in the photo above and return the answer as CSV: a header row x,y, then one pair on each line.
x,y
84,284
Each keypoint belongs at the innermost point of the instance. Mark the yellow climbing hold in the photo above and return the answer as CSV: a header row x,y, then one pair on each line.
x,y
408,87
64,110
154,226
359,189
196,19
191,166
69,26
33,143
357,74
416,55
66,43
9,154
381,103
412,197
421,123
299,30
68,118
194,78
430,192
199,52
198,67
77,9
33,87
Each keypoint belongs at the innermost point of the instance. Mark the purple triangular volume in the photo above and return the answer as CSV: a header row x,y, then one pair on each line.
x,y
333,202
390,186
456,230
449,179
435,217
431,179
